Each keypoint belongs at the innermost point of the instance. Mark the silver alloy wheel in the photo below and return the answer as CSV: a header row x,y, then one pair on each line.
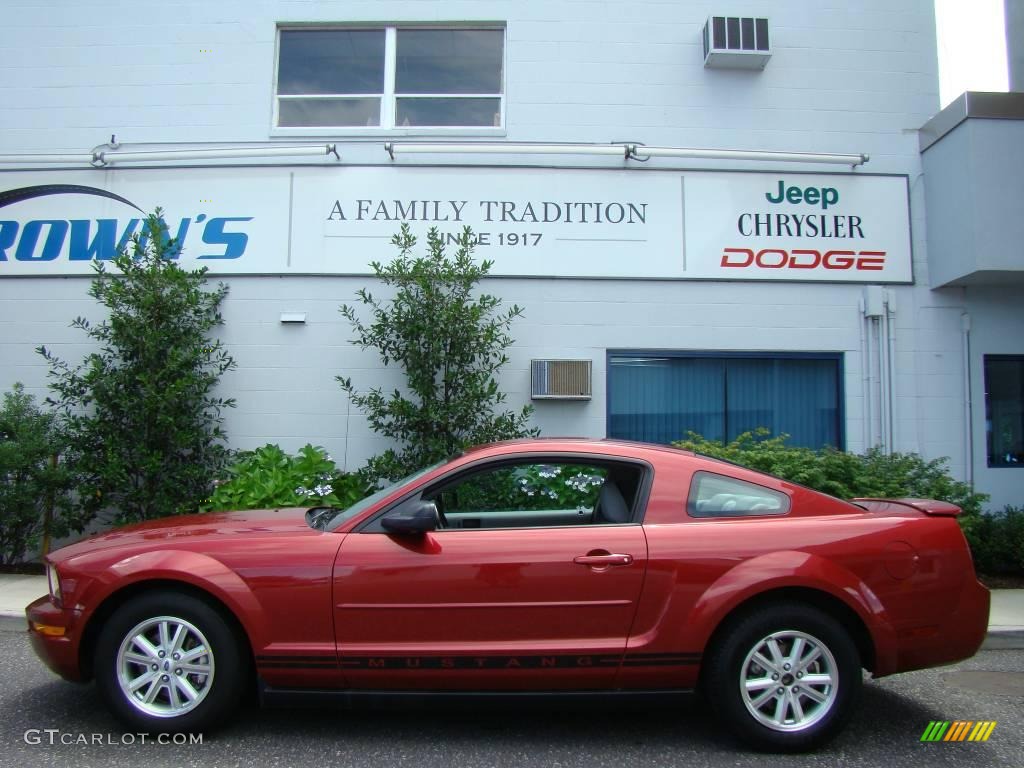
x,y
165,666
789,681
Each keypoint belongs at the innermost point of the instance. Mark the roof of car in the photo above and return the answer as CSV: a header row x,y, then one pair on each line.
x,y
574,443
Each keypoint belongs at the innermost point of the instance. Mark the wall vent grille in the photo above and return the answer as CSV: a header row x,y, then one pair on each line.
x,y
736,42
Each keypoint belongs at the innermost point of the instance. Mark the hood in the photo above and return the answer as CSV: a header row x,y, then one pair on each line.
x,y
197,528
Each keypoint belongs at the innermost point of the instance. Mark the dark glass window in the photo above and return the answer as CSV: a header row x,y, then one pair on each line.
x,y
329,61
340,77
437,61
659,398
1004,410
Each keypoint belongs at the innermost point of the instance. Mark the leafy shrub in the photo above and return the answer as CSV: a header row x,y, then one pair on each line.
x,y
450,343
268,477
35,501
846,475
997,540
143,423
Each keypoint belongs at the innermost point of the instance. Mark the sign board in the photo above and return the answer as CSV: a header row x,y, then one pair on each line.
x,y
530,222
758,226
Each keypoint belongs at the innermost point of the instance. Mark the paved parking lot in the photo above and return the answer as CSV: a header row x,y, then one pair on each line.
x,y
886,730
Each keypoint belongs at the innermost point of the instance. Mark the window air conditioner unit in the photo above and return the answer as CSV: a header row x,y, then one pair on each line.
x,y
561,379
733,42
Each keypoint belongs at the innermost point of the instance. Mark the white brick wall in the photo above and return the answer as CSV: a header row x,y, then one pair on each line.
x,y
840,79
843,78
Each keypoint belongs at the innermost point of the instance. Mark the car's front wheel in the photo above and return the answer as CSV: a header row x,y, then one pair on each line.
x,y
785,677
169,662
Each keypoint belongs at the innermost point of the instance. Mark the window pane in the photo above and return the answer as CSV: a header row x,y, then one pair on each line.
x,y
541,495
449,61
660,399
530,487
797,397
331,61
448,112
718,496
1004,410
328,112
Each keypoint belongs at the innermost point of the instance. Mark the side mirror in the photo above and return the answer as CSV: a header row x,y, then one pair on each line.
x,y
421,519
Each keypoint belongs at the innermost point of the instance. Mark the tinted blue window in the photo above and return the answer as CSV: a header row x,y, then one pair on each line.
x,y
660,398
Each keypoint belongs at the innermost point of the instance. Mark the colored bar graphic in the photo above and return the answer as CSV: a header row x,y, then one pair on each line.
x,y
983,731
958,730
935,731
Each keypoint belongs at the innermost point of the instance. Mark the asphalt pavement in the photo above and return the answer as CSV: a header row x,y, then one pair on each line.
x,y
45,721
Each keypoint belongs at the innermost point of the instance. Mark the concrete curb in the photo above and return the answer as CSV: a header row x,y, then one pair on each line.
x,y
1004,640
9,623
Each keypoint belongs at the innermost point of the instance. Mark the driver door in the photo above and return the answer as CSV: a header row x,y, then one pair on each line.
x,y
523,586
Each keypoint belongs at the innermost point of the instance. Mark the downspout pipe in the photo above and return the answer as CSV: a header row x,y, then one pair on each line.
x,y
965,331
865,366
889,357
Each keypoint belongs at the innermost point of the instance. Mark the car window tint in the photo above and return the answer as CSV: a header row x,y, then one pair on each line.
x,y
714,495
536,494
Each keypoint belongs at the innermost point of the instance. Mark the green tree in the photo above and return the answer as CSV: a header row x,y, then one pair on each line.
x,y
142,417
449,341
35,500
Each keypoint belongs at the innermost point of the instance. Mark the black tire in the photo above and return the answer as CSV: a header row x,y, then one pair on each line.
x,y
208,660
749,702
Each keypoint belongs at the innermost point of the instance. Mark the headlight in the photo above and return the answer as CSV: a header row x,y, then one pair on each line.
x,y
54,581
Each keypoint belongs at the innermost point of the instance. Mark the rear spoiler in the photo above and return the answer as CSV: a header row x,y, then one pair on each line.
x,y
928,506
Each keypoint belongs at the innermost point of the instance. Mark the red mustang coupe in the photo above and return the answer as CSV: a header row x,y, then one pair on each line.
x,y
543,566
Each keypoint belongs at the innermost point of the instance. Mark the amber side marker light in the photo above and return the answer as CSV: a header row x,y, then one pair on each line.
x,y
48,629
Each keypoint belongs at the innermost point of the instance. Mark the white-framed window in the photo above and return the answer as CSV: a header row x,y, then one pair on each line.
x,y
389,78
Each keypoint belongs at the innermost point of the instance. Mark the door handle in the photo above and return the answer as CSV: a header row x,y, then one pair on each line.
x,y
603,560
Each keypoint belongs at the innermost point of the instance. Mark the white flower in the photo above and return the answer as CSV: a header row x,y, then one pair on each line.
x,y
301,491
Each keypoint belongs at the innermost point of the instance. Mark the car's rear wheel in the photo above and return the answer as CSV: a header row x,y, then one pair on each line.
x,y
169,662
785,677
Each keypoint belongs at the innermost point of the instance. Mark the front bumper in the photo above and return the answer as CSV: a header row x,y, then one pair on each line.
x,y
58,652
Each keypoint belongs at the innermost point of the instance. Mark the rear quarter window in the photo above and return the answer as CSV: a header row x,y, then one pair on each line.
x,y
714,495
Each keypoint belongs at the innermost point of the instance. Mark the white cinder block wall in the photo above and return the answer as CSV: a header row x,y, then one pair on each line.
x,y
843,77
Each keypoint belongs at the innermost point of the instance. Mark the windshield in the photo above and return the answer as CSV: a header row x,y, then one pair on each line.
x,y
347,514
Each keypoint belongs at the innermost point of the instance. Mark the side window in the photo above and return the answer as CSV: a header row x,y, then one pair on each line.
x,y
390,77
714,495
540,495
